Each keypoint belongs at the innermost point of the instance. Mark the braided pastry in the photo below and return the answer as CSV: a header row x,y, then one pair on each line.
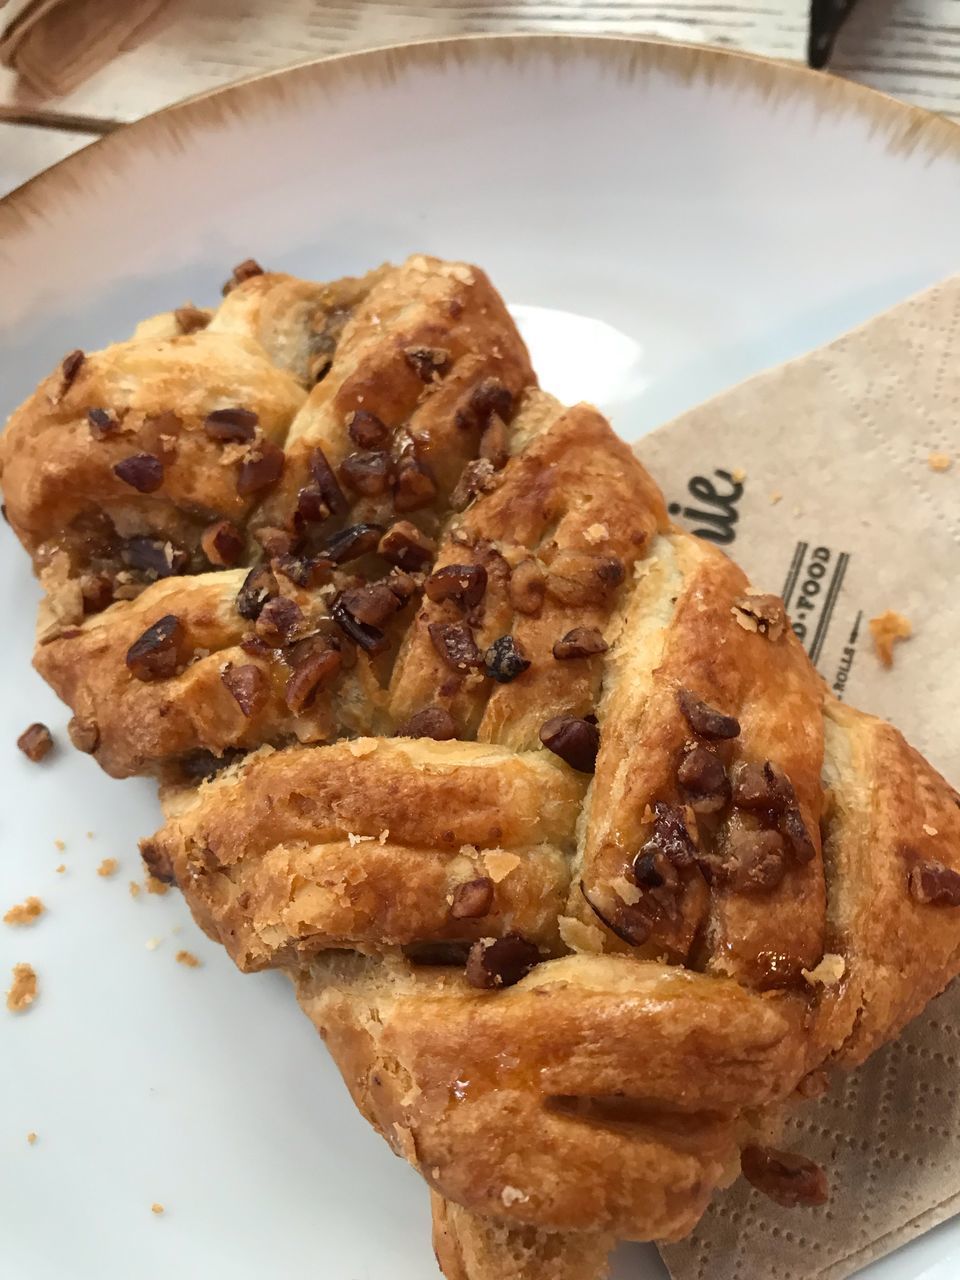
x,y
573,860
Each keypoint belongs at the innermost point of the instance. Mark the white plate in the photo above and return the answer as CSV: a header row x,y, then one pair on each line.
x,y
665,220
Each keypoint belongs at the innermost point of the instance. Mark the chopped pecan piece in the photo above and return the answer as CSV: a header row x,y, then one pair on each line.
x,y
505,660
528,586
280,622
788,1179
154,558
763,614
702,776
36,742
353,542
260,471
428,363
245,270
259,586
142,471
933,883
326,483
403,585
156,654
704,720
367,431
414,486
405,546
487,398
455,644
232,425
573,739
311,506
103,423
472,899
794,831
222,544
670,837
493,444
762,786
275,542
318,664
431,722
501,962
577,578
69,368
248,685
756,861
97,591
479,476
581,642
84,734
628,922
371,605
367,473
370,639
463,583
304,571
190,319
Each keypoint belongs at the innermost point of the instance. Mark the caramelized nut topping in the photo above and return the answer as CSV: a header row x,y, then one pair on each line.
x,y
428,363
190,319
248,685
280,622
261,471
479,476
103,423
757,861
304,571
84,734
222,544
581,642
573,739
704,720
367,431
431,722
763,614
577,578
153,558
935,884
371,605
794,831
326,484
69,368
455,644
156,654
465,584
487,398
405,546
275,542
501,962
367,473
353,542
318,665
788,1179
493,444
670,837
370,639
527,588
231,426
629,924
142,471
311,506
36,742
702,776
505,660
414,486
245,270
762,786
472,899
259,586
403,585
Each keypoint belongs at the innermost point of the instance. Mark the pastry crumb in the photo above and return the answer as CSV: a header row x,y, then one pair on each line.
x,y
738,475
107,867
152,943
59,845
499,864
134,889
383,836
355,839
775,497
930,831
362,746
512,1195
189,959
939,462
157,1208
89,835
596,533
579,936
153,885
887,629
25,912
32,1138
827,973
61,869
23,989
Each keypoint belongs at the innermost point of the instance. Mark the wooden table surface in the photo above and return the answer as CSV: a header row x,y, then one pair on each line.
x,y
909,48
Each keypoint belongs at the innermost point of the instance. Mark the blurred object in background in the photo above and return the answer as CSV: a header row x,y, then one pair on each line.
x,y
826,19
54,45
